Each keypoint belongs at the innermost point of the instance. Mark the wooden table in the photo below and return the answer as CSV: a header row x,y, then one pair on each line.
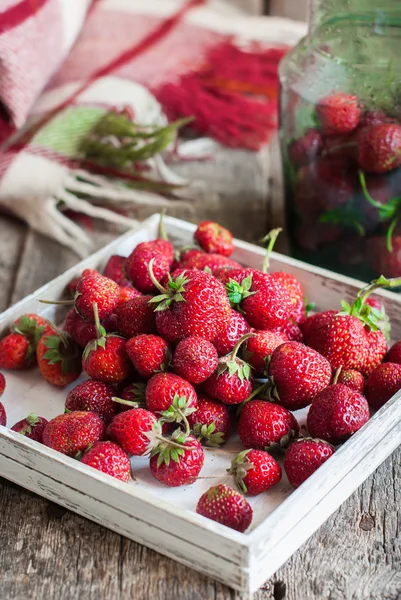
x,y
48,552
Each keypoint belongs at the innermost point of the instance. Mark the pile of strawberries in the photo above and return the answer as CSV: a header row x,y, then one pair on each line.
x,y
346,177
181,351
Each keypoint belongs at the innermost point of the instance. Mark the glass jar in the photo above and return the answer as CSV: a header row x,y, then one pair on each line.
x,y
340,130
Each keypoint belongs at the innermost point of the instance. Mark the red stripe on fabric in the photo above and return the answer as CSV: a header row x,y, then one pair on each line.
x,y
17,14
147,42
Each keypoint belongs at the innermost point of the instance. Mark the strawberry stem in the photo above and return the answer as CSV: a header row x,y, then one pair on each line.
x,y
237,346
58,302
63,335
126,402
271,237
336,376
381,282
174,444
389,234
156,283
100,331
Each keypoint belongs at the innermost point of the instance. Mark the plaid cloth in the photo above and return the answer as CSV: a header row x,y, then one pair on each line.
x,y
126,48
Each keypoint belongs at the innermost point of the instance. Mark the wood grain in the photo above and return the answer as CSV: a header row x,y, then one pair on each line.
x,y
49,552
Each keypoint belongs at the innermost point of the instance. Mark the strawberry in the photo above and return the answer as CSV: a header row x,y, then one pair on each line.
x,y
337,413
226,506
134,395
192,303
108,458
18,348
72,286
114,270
32,427
260,347
176,466
231,382
294,288
379,148
382,260
255,471
195,359
211,421
263,426
73,432
291,330
149,354
197,259
105,358
96,289
297,373
237,326
127,293
136,316
392,356
137,263
93,396
306,148
130,429
382,384
338,113
2,384
3,416
214,238
82,331
377,350
352,379
304,457
170,391
59,357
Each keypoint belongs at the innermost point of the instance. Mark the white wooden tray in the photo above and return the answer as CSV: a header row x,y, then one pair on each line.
x,y
164,518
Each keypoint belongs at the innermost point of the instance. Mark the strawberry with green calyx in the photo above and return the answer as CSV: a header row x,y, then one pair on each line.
x,y
32,326
231,382
58,356
177,460
254,471
137,431
178,412
193,303
18,348
225,506
170,392
211,422
133,392
105,358
32,427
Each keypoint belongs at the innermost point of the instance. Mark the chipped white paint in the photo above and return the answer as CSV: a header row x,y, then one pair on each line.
x,y
164,518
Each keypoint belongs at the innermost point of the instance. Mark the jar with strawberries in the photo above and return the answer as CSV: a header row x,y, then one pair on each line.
x,y
340,129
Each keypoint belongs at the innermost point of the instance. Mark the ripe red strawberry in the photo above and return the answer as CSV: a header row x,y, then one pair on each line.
x,y
82,331
291,330
265,303
136,316
135,396
263,425
197,259
137,263
392,356
149,354
304,457
352,379
108,458
295,290
105,358
211,421
297,374
73,432
96,289
231,382
195,359
338,113
382,384
72,286
114,270
225,341
379,149
127,293
226,506
192,303
337,413
132,430
255,471
59,357
383,261
32,427
170,391
93,396
18,348
306,148
260,347
377,350
214,238
3,416
2,384
177,466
